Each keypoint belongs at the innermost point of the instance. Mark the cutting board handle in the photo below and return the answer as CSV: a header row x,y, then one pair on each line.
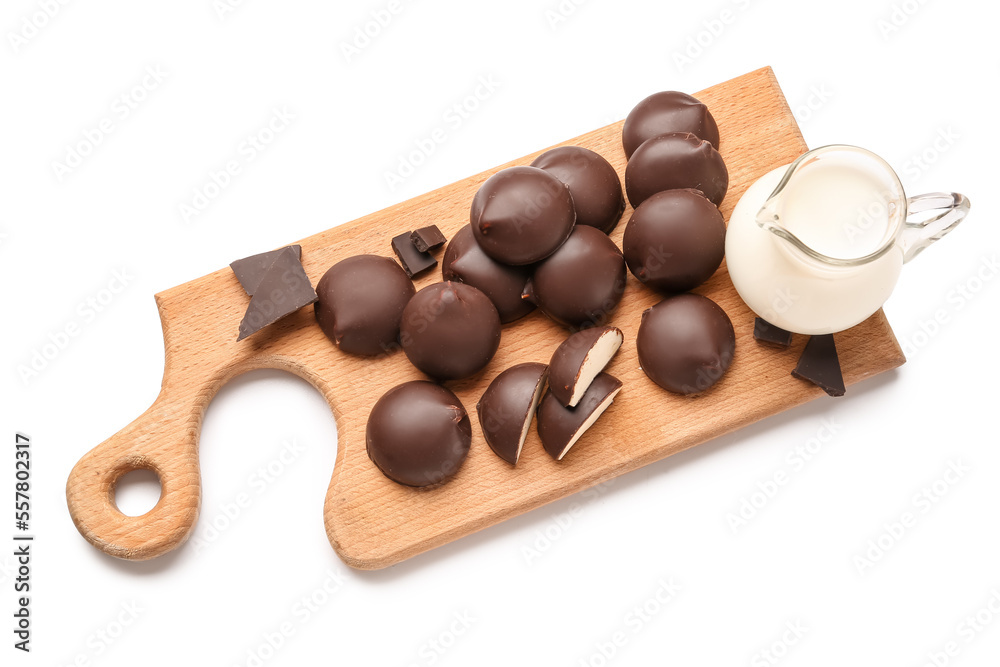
x,y
164,439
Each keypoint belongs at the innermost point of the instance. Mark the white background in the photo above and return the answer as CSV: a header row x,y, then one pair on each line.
x,y
596,558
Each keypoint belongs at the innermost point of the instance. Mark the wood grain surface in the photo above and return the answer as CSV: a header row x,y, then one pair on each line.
x,y
373,522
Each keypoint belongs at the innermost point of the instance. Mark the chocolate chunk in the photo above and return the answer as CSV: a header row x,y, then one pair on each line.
x,y
521,215
282,290
418,434
414,262
507,406
768,334
592,181
450,330
669,111
428,238
250,270
685,343
819,364
674,241
581,283
464,261
578,360
560,427
674,162
361,301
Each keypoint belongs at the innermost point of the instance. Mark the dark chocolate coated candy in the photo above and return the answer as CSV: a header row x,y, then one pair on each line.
x,y
674,162
593,182
464,261
669,111
507,407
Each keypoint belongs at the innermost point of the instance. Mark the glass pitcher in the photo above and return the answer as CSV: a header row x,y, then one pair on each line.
x,y
817,246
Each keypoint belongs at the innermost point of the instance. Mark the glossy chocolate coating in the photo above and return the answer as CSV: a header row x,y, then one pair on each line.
x,y
593,182
559,425
418,434
507,406
674,241
669,111
582,282
361,301
674,162
521,215
464,261
450,330
685,343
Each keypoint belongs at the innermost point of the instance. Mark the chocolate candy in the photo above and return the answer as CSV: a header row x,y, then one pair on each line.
x,y
560,427
669,111
427,238
675,161
674,241
767,334
414,261
820,365
578,360
418,434
250,270
283,289
507,406
450,330
685,343
361,301
593,182
582,282
465,262
521,215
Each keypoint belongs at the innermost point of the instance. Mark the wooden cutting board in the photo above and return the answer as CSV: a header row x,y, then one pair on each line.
x,y
373,522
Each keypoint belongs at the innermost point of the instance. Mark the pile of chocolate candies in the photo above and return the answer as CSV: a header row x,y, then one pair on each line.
x,y
538,238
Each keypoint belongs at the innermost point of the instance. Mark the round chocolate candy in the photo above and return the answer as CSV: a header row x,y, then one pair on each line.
x,y
465,262
361,302
669,111
593,182
675,161
560,427
418,434
521,215
674,241
685,343
507,406
450,330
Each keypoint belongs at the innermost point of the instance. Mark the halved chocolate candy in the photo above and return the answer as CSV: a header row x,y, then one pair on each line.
x,y
560,427
578,360
507,406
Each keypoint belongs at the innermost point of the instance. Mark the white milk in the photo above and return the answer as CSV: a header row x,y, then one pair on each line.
x,y
837,210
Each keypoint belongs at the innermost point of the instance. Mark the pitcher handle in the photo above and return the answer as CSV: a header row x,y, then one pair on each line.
x,y
946,210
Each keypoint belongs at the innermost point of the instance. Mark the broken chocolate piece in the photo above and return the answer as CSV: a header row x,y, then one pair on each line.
x,y
770,335
414,262
428,238
819,364
250,270
282,290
